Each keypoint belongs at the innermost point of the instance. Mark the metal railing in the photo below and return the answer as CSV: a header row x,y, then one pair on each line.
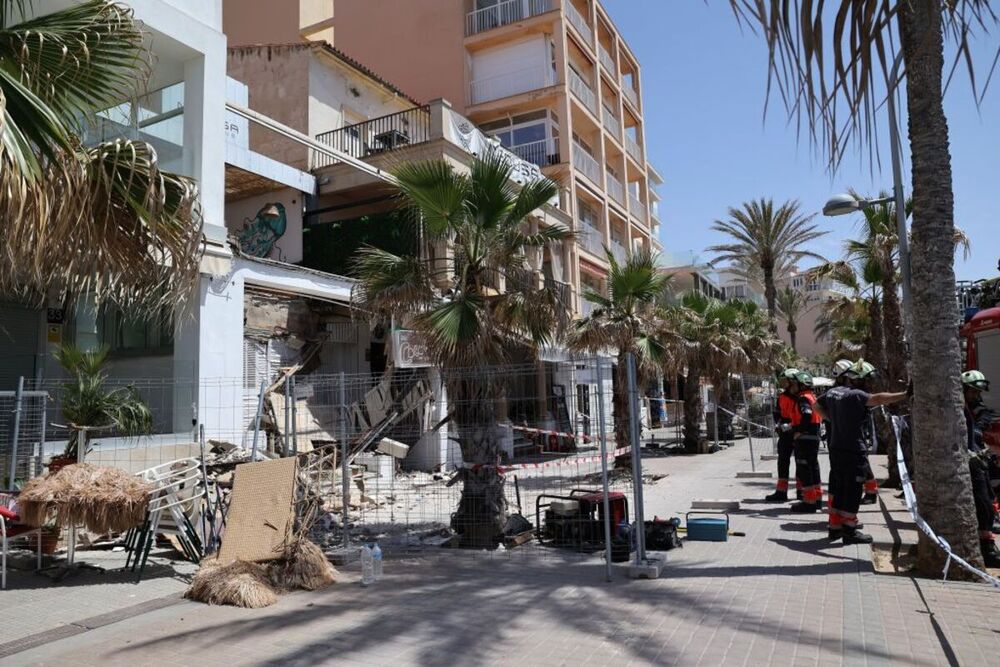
x,y
586,164
583,91
608,61
590,239
577,20
564,292
542,153
615,188
633,148
637,208
503,13
378,135
611,122
618,251
511,83
631,95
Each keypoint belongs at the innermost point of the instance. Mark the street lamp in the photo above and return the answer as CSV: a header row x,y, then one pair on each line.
x,y
844,203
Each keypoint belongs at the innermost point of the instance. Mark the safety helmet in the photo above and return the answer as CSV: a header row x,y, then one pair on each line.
x,y
976,380
860,370
804,379
841,366
789,374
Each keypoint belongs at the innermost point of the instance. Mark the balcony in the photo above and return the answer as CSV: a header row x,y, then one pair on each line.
x,y
631,95
619,252
633,148
379,135
563,291
504,13
637,208
582,91
587,308
586,164
615,188
611,122
608,62
511,83
577,20
590,239
542,153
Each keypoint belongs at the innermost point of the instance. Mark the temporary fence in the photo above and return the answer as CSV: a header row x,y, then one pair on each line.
x,y
911,505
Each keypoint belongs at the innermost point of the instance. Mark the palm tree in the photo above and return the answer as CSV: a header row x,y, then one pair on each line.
x,y
102,219
475,305
862,281
88,402
766,238
627,320
791,303
827,72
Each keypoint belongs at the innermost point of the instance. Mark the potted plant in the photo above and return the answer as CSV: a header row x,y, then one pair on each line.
x,y
88,403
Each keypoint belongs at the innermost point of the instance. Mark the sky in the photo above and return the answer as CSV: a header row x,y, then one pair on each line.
x,y
704,83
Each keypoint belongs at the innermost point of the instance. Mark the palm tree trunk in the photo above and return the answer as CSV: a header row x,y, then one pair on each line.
x,y
792,330
619,409
892,318
771,295
692,409
939,437
482,508
875,346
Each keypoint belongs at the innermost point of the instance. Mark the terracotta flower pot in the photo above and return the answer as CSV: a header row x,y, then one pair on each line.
x,y
49,537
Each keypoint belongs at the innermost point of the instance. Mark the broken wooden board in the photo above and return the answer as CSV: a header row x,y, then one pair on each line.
x,y
261,511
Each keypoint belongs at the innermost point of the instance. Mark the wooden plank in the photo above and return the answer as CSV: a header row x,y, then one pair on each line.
x,y
261,511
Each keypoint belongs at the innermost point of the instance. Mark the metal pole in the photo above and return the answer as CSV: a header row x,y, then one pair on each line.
x,y
81,453
897,187
15,436
715,415
295,418
41,444
288,415
746,404
256,421
770,422
602,438
345,487
633,411
208,545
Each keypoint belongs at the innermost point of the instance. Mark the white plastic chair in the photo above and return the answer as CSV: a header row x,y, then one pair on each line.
x,y
8,512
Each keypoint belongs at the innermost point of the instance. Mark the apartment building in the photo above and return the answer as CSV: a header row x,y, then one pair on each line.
x,y
552,80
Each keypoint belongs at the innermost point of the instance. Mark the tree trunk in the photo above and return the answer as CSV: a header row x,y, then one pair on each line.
x,y
482,509
692,410
792,330
892,318
771,295
939,437
620,410
875,347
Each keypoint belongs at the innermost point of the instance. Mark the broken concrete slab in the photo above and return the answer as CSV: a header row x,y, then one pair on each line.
x,y
716,504
751,474
393,448
651,568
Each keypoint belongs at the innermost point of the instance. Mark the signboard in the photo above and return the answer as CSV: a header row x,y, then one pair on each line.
x,y
409,350
55,315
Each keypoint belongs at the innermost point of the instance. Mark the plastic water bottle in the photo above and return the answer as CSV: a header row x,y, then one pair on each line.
x,y
377,561
367,566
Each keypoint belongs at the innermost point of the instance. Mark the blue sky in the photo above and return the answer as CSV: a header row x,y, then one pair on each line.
x,y
704,90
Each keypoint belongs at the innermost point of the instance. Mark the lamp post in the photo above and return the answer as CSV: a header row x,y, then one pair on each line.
x,y
844,203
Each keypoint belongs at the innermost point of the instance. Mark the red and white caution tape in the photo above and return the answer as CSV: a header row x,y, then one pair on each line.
x,y
576,460
558,434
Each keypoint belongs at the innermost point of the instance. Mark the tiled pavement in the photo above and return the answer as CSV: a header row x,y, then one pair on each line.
x,y
781,594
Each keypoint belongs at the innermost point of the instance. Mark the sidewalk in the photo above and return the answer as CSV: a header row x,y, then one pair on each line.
x,y
782,594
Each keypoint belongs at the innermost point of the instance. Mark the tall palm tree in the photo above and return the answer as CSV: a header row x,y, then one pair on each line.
x,y
475,305
766,238
828,72
862,282
625,321
73,218
791,303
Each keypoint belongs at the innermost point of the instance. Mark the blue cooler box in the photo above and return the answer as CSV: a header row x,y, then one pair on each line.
x,y
707,529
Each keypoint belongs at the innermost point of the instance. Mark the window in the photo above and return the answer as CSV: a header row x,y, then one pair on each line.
x,y
583,144
797,283
127,335
522,129
587,214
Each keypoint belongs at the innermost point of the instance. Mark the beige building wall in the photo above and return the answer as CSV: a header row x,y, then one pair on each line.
x,y
277,21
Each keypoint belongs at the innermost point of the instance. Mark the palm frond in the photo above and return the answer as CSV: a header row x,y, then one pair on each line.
x,y
437,191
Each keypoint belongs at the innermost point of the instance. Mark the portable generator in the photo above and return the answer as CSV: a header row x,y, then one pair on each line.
x,y
576,521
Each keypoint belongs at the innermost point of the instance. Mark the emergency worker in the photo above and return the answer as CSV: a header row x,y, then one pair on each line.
x,y
977,420
783,425
805,428
846,407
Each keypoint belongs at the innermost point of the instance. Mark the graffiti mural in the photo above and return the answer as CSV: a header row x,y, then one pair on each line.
x,y
260,235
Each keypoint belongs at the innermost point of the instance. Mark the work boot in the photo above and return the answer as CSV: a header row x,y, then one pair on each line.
x,y
991,555
996,526
854,536
869,499
798,494
835,534
806,508
777,497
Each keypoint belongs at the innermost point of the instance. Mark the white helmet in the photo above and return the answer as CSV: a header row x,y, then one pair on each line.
x,y
841,366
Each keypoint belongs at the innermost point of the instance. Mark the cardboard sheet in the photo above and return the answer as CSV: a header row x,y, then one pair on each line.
x,y
261,511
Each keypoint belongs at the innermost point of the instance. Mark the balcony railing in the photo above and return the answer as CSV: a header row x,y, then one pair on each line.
x,y
615,188
543,153
586,307
577,21
608,62
619,252
633,148
586,164
504,13
511,83
590,239
637,208
611,122
378,135
584,92
563,291
631,95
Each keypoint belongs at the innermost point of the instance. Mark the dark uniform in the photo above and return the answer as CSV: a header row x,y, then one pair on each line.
x,y
847,409
977,420
786,444
805,426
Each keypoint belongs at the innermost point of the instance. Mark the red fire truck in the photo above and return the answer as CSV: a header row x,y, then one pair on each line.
x,y
981,343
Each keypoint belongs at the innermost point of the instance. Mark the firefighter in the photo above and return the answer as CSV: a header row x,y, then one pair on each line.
x,y
846,406
977,420
783,425
871,484
805,428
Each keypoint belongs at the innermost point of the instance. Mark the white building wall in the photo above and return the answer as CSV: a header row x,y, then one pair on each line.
x,y
338,96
